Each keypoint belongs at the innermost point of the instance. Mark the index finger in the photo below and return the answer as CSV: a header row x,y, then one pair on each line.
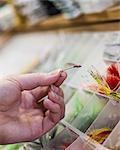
x,y
34,80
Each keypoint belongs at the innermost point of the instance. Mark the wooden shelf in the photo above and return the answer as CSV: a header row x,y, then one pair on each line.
x,y
114,26
109,16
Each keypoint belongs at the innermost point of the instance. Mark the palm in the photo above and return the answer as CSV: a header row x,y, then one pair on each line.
x,y
20,116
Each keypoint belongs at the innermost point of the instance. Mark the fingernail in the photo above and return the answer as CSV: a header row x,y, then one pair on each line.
x,y
63,74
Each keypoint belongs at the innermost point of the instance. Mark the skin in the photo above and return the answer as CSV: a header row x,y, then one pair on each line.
x,y
22,117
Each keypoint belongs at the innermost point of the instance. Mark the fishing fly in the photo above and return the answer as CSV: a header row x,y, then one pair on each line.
x,y
68,66
71,66
108,85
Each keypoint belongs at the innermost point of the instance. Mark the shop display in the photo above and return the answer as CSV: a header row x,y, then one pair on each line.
x,y
92,119
76,105
31,13
89,113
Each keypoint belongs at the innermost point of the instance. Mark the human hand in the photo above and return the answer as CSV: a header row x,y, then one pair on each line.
x,y
21,117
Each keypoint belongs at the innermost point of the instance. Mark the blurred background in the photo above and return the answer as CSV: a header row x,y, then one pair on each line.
x,y
43,35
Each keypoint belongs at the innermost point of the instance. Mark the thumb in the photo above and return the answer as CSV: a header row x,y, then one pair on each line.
x,y
34,80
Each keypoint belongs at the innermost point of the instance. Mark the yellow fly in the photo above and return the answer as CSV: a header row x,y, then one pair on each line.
x,y
100,135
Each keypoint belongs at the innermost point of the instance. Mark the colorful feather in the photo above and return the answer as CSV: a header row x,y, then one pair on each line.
x,y
108,85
